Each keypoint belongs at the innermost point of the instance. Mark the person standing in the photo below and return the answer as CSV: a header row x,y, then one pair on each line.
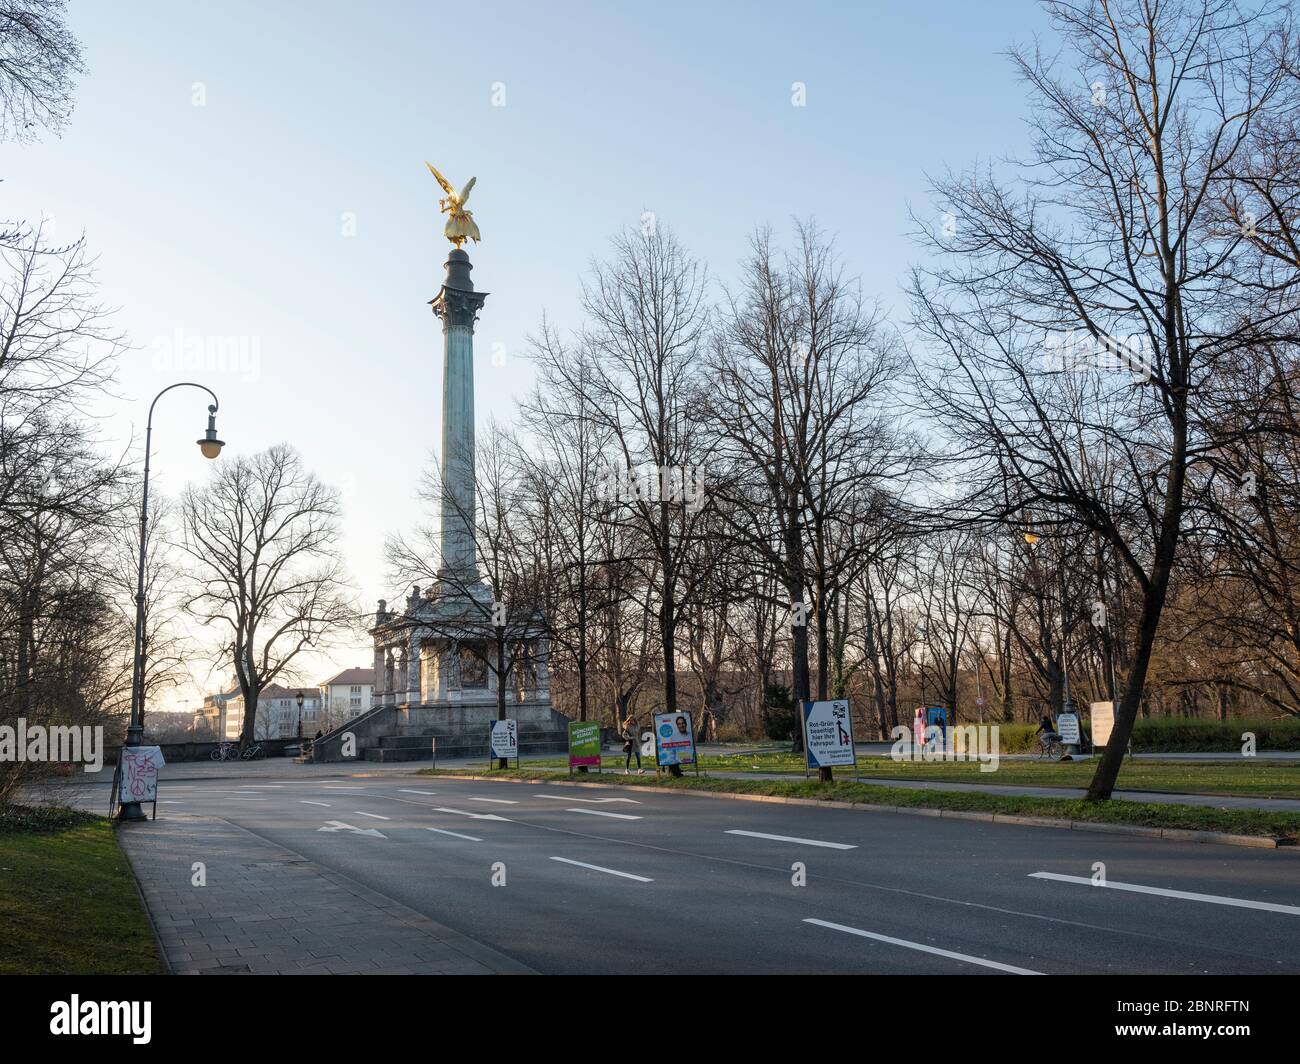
x,y
630,747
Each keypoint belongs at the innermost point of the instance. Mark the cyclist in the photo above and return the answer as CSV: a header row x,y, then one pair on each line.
x,y
1047,733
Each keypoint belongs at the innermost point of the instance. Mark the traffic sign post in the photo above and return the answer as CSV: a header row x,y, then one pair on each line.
x,y
828,735
503,741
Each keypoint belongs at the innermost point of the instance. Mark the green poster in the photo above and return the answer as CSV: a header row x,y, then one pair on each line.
x,y
584,743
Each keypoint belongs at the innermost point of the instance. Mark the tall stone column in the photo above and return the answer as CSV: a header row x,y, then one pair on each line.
x,y
457,304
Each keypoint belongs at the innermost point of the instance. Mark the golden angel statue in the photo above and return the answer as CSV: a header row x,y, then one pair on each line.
x,y
460,223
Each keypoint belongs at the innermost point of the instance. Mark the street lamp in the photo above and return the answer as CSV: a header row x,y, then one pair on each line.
x,y
300,722
210,446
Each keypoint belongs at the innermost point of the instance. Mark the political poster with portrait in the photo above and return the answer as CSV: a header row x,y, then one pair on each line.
x,y
674,739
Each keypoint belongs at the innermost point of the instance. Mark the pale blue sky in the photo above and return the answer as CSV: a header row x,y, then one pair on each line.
x,y
227,219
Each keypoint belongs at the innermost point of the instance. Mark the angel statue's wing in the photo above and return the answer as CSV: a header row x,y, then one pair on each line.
x,y
446,185
464,192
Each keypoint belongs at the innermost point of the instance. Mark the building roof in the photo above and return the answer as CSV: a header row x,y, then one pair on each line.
x,y
350,676
276,691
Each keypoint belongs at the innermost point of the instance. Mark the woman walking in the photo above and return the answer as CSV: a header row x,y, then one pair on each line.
x,y
630,747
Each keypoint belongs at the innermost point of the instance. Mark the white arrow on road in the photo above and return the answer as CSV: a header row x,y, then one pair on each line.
x,y
566,798
338,825
466,812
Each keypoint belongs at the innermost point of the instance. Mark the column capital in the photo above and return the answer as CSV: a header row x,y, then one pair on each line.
x,y
456,302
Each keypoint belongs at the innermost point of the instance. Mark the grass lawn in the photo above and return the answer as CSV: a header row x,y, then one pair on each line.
x,y
1242,777
1146,814
68,901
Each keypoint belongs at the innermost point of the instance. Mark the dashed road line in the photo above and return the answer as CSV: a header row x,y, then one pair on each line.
x,y
921,947
599,868
374,816
793,838
602,812
1163,892
455,834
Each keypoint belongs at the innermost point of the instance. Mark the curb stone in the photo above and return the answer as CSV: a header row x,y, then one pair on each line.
x,y
1268,842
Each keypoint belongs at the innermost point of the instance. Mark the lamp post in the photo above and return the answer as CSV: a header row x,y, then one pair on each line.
x,y
299,722
210,446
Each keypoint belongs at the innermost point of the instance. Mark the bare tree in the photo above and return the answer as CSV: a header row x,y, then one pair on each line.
x,y
263,536
1086,304
39,58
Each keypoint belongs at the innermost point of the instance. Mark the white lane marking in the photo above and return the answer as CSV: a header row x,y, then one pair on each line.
x,y
375,816
304,801
567,798
238,798
455,834
598,868
792,838
1215,899
602,812
495,801
406,791
924,948
476,816
339,825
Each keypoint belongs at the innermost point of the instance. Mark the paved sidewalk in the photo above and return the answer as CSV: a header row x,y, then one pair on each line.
x,y
267,910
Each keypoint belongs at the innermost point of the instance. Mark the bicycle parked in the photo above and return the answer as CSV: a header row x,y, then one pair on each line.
x,y
226,752
252,753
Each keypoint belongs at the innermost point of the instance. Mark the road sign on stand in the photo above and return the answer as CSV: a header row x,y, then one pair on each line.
x,y
828,735
503,740
1067,727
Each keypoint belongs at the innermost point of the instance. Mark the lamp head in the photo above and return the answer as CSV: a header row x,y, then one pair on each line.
x,y
210,445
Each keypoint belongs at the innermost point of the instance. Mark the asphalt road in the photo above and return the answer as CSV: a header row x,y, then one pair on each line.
x,y
602,880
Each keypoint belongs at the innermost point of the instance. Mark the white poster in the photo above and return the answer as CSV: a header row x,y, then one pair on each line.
x,y
828,733
140,765
1103,721
1067,727
504,737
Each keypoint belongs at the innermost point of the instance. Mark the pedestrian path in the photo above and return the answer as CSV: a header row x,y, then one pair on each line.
x,y
263,909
